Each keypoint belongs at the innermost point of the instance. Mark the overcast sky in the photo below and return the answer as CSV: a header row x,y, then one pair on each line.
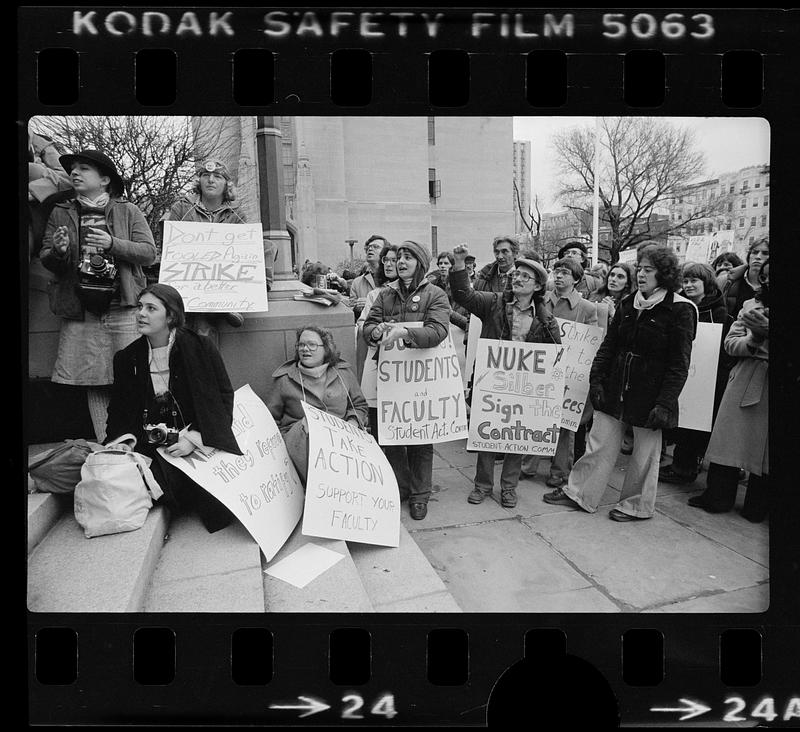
x,y
729,143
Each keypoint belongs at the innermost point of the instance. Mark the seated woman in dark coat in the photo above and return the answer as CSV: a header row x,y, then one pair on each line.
x,y
173,377
635,379
319,376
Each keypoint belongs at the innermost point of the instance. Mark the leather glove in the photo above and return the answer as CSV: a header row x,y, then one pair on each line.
x,y
597,396
658,419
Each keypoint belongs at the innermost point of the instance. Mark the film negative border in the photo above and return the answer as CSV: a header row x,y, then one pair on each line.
x,y
444,669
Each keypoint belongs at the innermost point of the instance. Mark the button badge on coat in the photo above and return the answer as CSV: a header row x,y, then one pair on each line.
x,y
415,308
416,298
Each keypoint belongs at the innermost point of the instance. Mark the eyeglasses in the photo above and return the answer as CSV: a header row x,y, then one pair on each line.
x,y
387,260
521,276
309,346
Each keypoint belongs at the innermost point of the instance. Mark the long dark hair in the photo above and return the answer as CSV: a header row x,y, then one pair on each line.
x,y
380,276
172,301
630,285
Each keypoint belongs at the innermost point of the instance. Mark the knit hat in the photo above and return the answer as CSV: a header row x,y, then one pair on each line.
x,y
539,271
172,301
212,165
101,162
573,245
419,252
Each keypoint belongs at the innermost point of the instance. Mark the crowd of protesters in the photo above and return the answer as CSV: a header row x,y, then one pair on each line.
x,y
136,352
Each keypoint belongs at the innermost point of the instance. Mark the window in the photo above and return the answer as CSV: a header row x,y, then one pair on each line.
x,y
434,236
753,221
733,185
758,184
728,226
744,203
766,184
741,222
755,202
745,185
434,186
766,200
730,207
764,220
752,239
431,131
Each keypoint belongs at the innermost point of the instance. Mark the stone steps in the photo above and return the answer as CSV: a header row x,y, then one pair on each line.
x,y
175,565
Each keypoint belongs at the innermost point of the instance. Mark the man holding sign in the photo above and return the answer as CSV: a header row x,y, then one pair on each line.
x,y
516,314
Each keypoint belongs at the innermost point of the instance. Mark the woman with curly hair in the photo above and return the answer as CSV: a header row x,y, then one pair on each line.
x,y
317,374
635,379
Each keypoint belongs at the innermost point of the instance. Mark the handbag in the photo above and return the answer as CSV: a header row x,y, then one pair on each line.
x,y
115,493
59,470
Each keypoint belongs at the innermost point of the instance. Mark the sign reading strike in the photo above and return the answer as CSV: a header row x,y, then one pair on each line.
x,y
516,398
580,342
420,395
351,490
215,267
696,400
260,487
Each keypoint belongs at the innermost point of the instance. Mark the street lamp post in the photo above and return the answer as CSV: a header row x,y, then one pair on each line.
x,y
351,244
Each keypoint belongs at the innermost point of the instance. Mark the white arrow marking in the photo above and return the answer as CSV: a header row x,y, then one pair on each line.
x,y
311,706
692,709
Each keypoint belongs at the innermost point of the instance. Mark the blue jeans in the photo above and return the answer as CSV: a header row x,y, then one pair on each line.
x,y
509,474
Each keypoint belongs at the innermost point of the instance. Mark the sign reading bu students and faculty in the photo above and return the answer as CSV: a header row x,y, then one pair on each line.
x,y
516,398
696,400
260,487
351,490
580,342
420,394
216,267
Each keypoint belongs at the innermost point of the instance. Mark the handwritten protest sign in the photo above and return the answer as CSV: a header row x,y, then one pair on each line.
x,y
696,400
473,336
516,398
351,490
260,487
215,267
420,395
369,378
628,255
580,342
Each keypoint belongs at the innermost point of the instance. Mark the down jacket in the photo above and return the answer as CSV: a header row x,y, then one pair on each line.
x,y
342,396
644,359
427,304
133,247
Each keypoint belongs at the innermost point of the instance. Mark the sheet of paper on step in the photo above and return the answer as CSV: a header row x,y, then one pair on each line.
x,y
304,565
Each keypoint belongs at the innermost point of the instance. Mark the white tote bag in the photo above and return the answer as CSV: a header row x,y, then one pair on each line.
x,y
115,493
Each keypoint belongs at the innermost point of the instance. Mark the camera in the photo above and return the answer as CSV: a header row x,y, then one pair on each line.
x,y
160,434
97,272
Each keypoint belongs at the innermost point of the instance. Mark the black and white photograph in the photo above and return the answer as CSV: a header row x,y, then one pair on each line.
x,y
398,364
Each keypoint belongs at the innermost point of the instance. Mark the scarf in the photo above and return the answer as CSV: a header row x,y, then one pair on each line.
x,y
313,372
98,204
159,364
640,302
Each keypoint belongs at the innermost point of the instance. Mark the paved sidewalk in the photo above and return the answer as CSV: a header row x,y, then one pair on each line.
x,y
542,558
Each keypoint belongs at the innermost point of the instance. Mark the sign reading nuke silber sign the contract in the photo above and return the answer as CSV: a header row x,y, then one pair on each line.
x,y
351,490
215,267
260,487
420,394
516,398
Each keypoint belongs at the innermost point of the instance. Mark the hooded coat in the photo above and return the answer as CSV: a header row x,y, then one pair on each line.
x,y
341,396
644,359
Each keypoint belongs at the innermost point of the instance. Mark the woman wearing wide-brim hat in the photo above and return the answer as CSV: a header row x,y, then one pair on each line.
x,y
95,245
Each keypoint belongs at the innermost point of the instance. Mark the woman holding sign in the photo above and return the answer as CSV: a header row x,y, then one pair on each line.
x,y
171,390
636,378
411,299
319,376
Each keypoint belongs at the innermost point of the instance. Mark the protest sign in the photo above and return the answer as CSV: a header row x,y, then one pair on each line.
x,y
369,378
215,267
580,342
473,336
516,398
696,400
628,255
260,487
697,249
351,490
420,395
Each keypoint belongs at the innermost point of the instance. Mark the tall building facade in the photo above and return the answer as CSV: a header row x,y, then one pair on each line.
x,y
436,180
521,190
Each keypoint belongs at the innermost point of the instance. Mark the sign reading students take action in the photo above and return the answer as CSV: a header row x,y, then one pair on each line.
x,y
516,398
216,267
260,487
580,342
351,490
420,394
696,400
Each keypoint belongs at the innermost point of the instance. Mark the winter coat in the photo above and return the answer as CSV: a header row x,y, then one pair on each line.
x,y
198,382
495,309
490,279
586,285
189,208
132,248
426,304
644,360
574,307
342,396
458,315
740,437
736,289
